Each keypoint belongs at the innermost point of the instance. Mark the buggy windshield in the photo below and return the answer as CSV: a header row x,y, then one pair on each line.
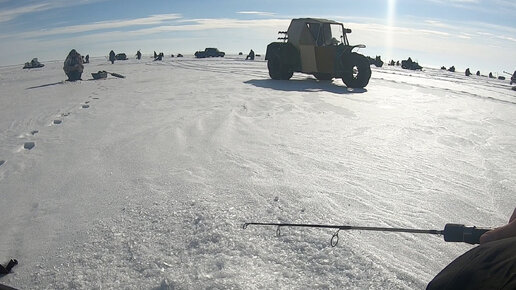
x,y
327,34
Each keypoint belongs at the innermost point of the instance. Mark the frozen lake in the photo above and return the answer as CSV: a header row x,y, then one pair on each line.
x,y
145,182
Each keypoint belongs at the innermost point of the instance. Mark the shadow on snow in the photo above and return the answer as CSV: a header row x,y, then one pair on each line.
x,y
303,85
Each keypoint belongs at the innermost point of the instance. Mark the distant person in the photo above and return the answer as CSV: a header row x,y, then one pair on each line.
x,y
478,73
35,63
491,75
138,55
468,73
250,55
451,69
155,55
159,56
87,59
112,57
513,78
488,266
73,66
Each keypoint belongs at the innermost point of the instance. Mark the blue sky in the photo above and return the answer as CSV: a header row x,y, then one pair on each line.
x,y
466,33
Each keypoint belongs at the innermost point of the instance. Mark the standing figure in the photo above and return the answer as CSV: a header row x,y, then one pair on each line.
x,y
73,66
250,55
138,55
87,58
112,57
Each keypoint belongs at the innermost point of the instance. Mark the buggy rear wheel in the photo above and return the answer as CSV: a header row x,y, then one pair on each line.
x,y
277,69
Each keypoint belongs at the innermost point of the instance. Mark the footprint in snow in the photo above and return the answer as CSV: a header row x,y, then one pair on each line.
x,y
29,145
65,114
2,162
95,98
57,122
86,102
34,132
85,106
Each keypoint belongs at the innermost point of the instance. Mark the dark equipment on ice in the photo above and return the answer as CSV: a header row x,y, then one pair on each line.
x,y
410,64
34,63
101,74
377,61
116,75
451,232
7,269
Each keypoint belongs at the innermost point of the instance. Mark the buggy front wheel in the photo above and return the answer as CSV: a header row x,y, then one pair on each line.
x,y
357,70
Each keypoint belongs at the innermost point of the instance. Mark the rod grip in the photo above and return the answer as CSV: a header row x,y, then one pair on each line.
x,y
462,233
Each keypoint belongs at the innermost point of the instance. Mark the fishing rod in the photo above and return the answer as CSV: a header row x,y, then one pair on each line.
x,y
451,232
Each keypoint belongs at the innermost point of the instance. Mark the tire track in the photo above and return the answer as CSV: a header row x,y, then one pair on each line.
x,y
222,66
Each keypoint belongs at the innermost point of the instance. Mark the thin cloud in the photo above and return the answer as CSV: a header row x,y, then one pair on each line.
x,y
456,1
506,3
260,13
102,25
8,14
211,24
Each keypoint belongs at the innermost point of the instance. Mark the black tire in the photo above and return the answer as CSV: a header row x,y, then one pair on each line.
x,y
277,69
323,76
357,70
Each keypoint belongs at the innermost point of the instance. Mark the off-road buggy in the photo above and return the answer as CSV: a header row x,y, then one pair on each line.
x,y
319,47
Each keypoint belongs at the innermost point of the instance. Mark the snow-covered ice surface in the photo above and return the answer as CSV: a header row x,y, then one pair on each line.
x,y
145,182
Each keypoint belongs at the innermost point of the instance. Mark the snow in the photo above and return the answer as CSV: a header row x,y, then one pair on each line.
x,y
145,182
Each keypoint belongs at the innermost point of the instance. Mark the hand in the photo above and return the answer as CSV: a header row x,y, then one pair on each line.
x,y
507,231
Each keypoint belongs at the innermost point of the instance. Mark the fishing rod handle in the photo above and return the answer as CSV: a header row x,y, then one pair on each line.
x,y
462,233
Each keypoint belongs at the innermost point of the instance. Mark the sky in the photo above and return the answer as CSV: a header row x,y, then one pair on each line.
x,y
475,34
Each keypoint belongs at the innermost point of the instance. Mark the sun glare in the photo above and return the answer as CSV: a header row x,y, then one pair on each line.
x,y
391,11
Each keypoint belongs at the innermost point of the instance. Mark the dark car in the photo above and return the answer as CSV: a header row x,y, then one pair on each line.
x,y
209,52
121,56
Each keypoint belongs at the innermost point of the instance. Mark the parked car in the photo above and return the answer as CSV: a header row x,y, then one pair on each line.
x,y
209,52
121,56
